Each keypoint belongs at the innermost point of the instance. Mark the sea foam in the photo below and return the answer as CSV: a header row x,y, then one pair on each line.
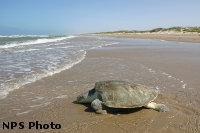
x,y
38,41
33,78
23,65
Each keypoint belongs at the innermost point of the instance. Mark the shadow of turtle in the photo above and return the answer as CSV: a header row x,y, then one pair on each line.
x,y
114,111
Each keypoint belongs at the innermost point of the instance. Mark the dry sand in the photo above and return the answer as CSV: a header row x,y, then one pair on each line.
x,y
174,70
181,37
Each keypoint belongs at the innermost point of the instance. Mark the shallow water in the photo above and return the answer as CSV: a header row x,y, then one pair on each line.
x,y
25,59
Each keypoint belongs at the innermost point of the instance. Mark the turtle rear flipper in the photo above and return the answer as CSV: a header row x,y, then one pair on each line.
x,y
157,107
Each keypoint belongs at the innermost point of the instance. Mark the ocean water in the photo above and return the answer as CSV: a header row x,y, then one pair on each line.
x,y
25,59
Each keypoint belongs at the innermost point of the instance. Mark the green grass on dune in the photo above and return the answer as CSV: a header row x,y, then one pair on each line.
x,y
176,29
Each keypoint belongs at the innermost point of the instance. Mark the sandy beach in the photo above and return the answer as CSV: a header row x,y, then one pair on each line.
x,y
171,36
172,67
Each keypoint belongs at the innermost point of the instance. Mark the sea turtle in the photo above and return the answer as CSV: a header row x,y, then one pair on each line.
x,y
120,94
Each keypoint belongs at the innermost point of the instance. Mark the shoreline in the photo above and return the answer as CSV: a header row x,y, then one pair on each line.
x,y
122,62
180,37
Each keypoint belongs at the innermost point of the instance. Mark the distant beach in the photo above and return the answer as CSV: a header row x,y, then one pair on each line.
x,y
171,67
180,34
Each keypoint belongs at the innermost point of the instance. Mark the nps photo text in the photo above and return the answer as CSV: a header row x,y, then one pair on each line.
x,y
29,125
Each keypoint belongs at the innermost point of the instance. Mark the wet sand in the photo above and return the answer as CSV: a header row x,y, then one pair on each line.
x,y
181,37
171,67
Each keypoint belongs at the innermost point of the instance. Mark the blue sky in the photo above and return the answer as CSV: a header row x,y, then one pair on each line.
x,y
86,16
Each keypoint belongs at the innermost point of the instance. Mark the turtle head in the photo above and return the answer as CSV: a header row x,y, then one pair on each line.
x,y
86,97
82,98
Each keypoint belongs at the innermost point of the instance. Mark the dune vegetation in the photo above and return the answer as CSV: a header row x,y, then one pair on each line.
x,y
171,29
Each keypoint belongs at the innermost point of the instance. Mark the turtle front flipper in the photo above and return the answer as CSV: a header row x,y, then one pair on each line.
x,y
97,106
